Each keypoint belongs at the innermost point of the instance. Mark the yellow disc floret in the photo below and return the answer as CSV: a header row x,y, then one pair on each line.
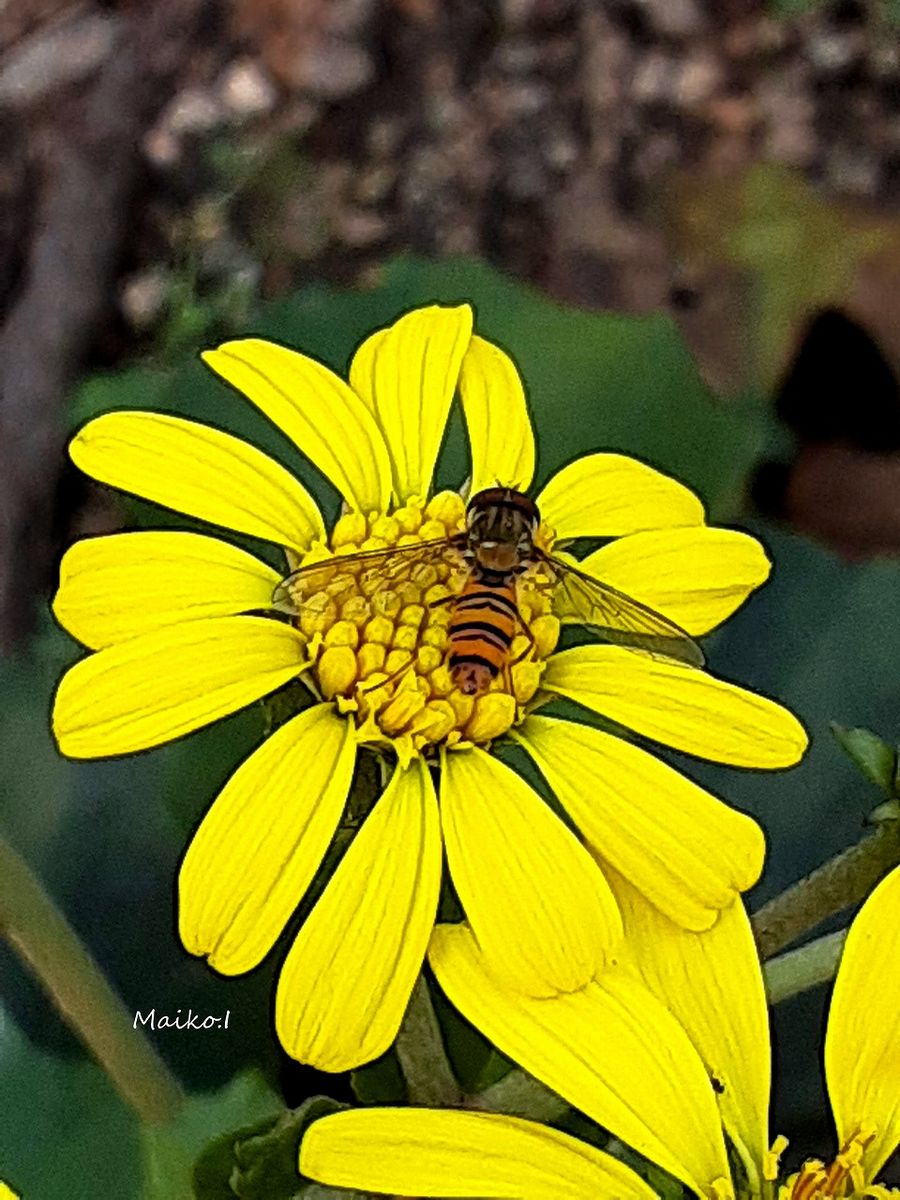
x,y
378,633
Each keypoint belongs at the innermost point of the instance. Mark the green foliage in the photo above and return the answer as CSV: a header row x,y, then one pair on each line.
x,y
874,757
60,1119
888,9
380,1082
259,1161
66,1135
168,1153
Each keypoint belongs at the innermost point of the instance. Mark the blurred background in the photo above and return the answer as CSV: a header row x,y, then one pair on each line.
x,y
681,218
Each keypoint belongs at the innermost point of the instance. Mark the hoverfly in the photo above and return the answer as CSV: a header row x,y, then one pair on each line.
x,y
488,558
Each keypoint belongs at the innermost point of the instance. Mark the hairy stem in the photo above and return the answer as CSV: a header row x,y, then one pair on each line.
x,y
799,970
423,1059
35,928
844,880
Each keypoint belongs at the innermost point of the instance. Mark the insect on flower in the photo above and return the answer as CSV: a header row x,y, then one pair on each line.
x,y
481,567
426,629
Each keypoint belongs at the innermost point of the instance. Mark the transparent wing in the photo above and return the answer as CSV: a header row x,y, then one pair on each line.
x,y
617,618
425,563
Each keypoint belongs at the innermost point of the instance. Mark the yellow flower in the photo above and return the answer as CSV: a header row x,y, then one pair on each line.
x,y
6,1192
184,631
664,1050
730,1032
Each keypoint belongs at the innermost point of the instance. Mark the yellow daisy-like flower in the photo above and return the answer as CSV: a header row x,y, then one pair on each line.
x,y
185,630
665,1050
6,1192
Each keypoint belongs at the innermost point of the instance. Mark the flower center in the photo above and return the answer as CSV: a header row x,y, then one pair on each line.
x,y
378,633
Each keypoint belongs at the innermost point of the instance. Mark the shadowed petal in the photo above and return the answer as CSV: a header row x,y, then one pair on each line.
x,y
201,472
611,1049
117,587
679,706
347,979
171,681
608,495
682,848
407,375
261,843
730,1026
315,409
501,439
538,903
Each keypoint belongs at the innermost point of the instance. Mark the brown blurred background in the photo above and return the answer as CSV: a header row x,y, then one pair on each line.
x,y
164,165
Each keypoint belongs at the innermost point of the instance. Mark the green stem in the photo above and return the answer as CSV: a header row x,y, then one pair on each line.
x,y
843,881
520,1095
43,938
423,1059
799,970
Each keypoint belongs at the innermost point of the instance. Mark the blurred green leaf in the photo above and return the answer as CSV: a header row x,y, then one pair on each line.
x,y
793,8
169,1152
874,757
259,1161
60,1121
380,1082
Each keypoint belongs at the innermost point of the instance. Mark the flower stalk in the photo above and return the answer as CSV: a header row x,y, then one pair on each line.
x,y
799,970
38,932
845,880
423,1059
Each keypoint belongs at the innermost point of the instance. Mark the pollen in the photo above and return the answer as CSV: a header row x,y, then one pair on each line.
x,y
378,637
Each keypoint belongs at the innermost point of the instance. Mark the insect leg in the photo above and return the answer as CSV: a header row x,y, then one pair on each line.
x,y
398,674
532,644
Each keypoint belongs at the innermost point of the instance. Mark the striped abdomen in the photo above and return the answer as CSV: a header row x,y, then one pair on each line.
x,y
482,629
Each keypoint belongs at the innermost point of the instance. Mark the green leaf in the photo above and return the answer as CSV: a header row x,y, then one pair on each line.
x,y
259,1161
874,757
64,1132
169,1152
380,1082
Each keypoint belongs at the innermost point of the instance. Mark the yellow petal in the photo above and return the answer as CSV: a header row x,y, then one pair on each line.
x,y
611,1050
118,587
407,375
538,904
712,983
608,495
500,435
862,1042
201,472
6,1192
429,1152
679,706
686,851
347,979
316,410
261,843
170,682
695,576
